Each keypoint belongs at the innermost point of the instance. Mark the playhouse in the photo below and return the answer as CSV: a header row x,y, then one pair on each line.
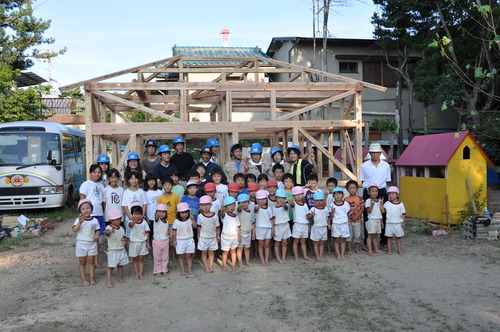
x,y
437,174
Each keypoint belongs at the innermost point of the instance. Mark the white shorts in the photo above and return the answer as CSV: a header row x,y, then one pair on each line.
x,y
340,230
354,232
85,248
227,243
184,246
262,233
300,231
373,226
137,249
319,233
207,243
394,230
246,240
117,257
282,232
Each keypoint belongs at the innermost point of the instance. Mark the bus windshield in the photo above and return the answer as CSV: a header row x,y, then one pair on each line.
x,y
24,149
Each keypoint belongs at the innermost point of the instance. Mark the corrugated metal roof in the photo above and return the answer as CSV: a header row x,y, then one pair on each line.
x,y
435,150
217,52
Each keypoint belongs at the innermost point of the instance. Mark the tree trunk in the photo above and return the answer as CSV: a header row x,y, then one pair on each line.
x,y
326,12
397,115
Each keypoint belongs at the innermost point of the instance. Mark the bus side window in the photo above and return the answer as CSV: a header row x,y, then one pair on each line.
x,y
78,150
68,150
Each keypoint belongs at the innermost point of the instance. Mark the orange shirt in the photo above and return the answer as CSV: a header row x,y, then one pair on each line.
x,y
171,203
353,201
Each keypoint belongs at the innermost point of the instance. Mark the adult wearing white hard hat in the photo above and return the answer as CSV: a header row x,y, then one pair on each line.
x,y
376,171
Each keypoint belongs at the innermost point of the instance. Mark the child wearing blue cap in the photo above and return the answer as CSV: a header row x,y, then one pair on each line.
x,y
281,226
247,227
231,232
340,228
319,218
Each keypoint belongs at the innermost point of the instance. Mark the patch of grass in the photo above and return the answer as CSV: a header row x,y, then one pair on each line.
x,y
63,212
155,282
11,242
278,309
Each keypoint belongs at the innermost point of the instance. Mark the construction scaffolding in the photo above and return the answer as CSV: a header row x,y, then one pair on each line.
x,y
294,110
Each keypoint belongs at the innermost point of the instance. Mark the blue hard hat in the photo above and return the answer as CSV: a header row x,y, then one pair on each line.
x,y
150,142
236,146
206,149
163,148
178,139
102,158
319,196
281,193
274,150
338,190
294,147
243,198
133,156
256,148
213,142
229,200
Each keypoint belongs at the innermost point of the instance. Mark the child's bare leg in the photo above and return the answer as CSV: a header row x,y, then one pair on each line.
x,y
82,266
342,247
136,267
120,274
239,257
399,243
211,260
369,242
234,259
141,267
375,244
204,260
277,251
284,248
267,251
357,249
296,249
109,271
189,258
328,243
303,246
181,264
247,256
316,250
321,249
96,261
389,245
90,264
336,245
348,246
261,253
224,260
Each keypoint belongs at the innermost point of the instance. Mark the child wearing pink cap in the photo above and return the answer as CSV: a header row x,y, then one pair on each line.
x,y
208,233
161,241
395,222
183,237
117,255
301,226
264,226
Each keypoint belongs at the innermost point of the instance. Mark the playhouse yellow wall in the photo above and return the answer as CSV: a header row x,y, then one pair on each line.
x,y
425,197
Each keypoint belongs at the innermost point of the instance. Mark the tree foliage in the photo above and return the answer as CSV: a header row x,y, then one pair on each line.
x,y
20,36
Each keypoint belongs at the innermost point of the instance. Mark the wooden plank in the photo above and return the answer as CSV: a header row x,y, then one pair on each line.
x,y
272,104
358,137
89,149
138,106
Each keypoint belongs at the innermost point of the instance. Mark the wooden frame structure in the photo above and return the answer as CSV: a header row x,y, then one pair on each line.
x,y
299,111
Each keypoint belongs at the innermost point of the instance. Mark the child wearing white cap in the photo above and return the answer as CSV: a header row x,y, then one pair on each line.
x,y
395,222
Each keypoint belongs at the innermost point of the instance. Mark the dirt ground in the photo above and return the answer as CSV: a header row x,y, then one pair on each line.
x,y
442,283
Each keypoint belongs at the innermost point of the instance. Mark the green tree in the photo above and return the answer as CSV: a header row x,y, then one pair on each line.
x,y
20,35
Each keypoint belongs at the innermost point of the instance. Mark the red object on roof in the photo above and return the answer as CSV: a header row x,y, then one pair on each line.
x,y
364,154
435,150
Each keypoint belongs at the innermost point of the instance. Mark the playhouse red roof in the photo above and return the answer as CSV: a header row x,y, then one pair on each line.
x,y
435,150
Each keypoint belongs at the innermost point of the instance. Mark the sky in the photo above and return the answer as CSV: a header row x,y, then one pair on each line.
x,y
105,36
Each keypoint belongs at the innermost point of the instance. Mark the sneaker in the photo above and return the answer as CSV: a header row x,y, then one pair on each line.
x,y
364,248
383,247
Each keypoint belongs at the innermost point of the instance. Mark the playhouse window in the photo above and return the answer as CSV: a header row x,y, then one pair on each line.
x,y
436,172
420,171
466,152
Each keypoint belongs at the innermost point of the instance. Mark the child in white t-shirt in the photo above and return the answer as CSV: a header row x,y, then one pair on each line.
x,y
246,217
281,226
319,229
139,240
395,222
301,226
374,224
117,255
87,229
161,241
231,232
182,235
264,226
340,210
208,233
112,194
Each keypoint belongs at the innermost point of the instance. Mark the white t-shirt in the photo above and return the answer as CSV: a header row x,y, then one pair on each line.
x,y
329,200
300,213
281,215
320,218
151,199
115,239
340,213
113,199
264,216
231,224
395,212
380,174
87,229
209,224
131,198
139,232
93,192
272,203
160,230
246,217
216,205
183,228
376,213
221,191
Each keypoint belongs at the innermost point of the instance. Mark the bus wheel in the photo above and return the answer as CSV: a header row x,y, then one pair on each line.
x,y
70,199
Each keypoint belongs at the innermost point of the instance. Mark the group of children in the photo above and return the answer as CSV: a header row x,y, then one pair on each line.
x,y
241,219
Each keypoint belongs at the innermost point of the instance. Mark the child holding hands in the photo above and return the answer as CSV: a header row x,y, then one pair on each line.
x,y
87,229
183,237
117,255
395,222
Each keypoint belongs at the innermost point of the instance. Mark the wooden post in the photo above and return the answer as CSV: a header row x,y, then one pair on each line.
x,y
272,103
89,139
358,136
331,165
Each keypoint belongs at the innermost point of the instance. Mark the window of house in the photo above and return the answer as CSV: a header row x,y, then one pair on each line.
x,y
436,172
378,72
466,152
348,67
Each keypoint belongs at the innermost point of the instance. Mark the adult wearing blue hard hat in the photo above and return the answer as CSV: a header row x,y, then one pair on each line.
x,y
256,164
277,157
149,162
236,164
214,145
163,169
206,154
300,168
182,159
